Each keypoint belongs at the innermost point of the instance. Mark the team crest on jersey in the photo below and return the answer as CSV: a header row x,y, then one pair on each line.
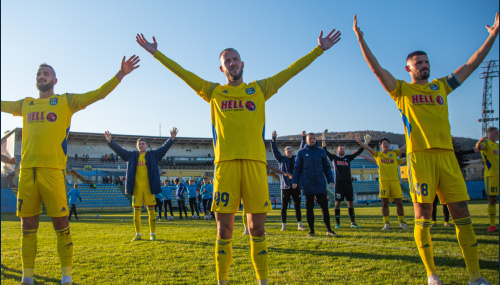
x,y
434,87
250,91
250,105
224,91
53,101
51,117
440,100
390,155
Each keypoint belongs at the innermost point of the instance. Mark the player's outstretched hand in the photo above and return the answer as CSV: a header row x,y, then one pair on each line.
x,y
173,133
330,40
303,133
357,138
294,186
274,135
107,135
356,29
289,175
493,30
323,135
150,47
128,66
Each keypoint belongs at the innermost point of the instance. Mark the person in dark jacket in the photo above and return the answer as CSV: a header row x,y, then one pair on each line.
x,y
286,164
310,169
143,177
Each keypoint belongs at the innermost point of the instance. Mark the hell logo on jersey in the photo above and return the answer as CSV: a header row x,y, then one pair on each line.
x,y
250,90
51,117
53,101
385,160
420,99
36,116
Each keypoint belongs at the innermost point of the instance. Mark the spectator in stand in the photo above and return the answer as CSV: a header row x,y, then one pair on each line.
x,y
106,158
76,156
117,181
102,158
105,180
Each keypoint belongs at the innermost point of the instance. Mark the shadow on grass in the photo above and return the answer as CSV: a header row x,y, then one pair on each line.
x,y
16,274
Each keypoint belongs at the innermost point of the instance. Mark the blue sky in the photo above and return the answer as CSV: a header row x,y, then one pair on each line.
x,y
85,40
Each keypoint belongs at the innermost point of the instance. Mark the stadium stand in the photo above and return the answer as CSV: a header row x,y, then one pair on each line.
x,y
103,196
8,202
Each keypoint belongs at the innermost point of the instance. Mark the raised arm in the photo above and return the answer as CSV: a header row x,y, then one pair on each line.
x,y
402,149
303,141
78,102
386,79
369,158
277,170
202,87
271,85
480,145
475,60
161,151
114,146
357,138
11,160
323,138
274,147
13,107
183,182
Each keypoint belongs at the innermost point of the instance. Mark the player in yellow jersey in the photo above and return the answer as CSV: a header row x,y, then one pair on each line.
x,y
489,152
238,121
433,167
388,175
143,178
46,123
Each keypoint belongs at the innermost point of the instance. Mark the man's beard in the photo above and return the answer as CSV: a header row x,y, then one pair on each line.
x,y
45,87
234,77
422,76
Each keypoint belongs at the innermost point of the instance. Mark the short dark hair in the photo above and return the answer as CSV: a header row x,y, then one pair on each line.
x,y
141,139
75,185
417,52
491,129
384,139
176,180
46,65
229,49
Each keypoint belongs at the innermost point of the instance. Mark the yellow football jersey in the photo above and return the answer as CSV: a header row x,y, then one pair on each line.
x,y
238,112
141,174
424,111
490,158
46,124
388,165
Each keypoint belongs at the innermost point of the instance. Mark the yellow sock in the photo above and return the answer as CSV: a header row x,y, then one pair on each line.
x,y
386,219
152,220
137,220
65,249
260,256
422,234
401,219
223,257
28,252
492,214
468,243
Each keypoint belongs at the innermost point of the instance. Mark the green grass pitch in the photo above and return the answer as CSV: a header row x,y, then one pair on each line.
x,y
184,252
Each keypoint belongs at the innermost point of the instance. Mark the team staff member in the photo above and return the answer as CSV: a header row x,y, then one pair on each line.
x,y
343,182
159,204
311,168
389,184
46,124
167,199
206,195
191,188
180,190
143,178
286,164
432,163
489,152
238,118
74,194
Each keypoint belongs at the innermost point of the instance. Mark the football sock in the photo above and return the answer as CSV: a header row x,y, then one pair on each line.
x,y
245,222
337,215
223,257
65,250
28,253
401,219
468,243
422,234
446,213
351,214
492,213
152,220
386,219
137,220
260,256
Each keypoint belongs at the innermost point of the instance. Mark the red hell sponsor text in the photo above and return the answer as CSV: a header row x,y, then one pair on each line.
x,y
385,160
427,99
231,104
36,116
346,163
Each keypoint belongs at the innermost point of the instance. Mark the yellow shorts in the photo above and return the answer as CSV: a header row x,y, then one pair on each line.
x,y
390,189
434,172
491,185
237,180
142,195
37,185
